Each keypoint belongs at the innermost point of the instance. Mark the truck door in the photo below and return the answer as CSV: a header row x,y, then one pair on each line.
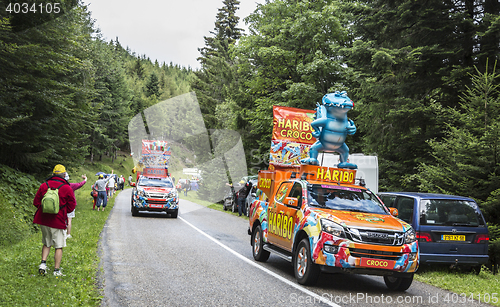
x,y
282,213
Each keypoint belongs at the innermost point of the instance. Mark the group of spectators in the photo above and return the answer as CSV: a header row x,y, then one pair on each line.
x,y
56,228
186,185
105,187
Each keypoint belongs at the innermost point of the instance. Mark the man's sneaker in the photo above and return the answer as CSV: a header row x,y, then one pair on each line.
x,y
58,273
42,268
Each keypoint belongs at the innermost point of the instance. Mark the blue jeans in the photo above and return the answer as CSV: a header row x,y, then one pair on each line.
x,y
102,197
242,206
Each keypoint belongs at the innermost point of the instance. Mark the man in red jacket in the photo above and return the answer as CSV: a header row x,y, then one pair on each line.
x,y
54,225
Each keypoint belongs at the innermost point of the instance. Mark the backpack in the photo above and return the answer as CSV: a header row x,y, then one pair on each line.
x,y
50,201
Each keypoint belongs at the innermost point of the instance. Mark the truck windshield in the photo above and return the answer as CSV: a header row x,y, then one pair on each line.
x,y
156,182
344,198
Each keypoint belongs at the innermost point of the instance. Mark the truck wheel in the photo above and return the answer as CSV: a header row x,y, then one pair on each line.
x,y
174,213
227,203
234,207
258,251
134,210
398,283
306,271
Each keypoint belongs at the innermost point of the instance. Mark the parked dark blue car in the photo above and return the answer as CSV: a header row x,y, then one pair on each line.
x,y
450,229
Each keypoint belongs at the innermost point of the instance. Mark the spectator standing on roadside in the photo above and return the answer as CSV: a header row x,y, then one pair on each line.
x,y
121,182
129,180
111,186
242,195
102,196
71,215
94,195
53,225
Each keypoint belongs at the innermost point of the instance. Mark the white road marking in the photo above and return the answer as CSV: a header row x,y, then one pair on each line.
x,y
286,281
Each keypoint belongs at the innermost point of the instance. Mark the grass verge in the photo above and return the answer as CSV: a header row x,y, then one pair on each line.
x,y
468,286
20,283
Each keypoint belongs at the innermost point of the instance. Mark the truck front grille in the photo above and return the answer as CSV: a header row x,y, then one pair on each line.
x,y
367,253
376,236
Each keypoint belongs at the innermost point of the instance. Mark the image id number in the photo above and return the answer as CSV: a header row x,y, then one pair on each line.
x,y
25,8
464,298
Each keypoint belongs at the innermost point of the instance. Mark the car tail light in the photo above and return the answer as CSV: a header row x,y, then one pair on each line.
x,y
424,237
482,239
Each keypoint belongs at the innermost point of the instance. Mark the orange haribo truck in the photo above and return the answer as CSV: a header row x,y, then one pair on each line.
x,y
319,219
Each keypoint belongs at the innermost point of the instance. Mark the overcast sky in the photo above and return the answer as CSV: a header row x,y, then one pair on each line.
x,y
165,30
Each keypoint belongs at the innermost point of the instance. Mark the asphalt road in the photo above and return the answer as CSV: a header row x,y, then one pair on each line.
x,y
203,258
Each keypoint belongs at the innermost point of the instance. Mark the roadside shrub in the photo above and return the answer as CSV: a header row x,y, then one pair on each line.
x,y
16,205
494,248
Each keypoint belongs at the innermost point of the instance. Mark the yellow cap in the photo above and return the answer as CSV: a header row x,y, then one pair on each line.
x,y
59,169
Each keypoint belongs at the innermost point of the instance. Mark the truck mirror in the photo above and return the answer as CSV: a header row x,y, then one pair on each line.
x,y
291,201
393,211
132,184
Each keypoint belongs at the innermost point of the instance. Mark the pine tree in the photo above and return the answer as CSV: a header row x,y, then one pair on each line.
x,y
153,86
217,66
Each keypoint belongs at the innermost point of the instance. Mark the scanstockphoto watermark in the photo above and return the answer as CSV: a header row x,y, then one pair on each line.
x,y
434,299
357,298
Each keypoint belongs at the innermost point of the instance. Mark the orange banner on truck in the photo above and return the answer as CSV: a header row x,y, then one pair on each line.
x,y
293,125
292,136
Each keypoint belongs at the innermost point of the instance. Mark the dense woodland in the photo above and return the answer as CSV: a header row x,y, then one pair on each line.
x,y
66,94
423,76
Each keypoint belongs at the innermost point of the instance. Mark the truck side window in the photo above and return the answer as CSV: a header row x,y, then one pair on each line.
x,y
405,209
388,200
296,192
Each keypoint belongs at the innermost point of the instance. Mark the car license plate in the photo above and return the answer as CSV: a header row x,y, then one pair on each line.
x,y
156,206
377,263
452,237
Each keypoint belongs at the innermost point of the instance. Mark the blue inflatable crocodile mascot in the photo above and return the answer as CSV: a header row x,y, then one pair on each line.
x,y
331,127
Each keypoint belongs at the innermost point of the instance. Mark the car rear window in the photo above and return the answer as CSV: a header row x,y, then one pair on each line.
x,y
447,212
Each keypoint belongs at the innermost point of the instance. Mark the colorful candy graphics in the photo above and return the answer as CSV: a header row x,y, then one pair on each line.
x,y
368,218
284,153
155,154
292,136
142,201
309,222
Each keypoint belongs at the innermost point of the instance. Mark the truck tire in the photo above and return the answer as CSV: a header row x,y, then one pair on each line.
x,y
306,271
258,252
398,283
174,213
227,203
234,207
134,210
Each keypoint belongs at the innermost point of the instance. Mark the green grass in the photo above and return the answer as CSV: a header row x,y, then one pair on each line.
x,y
482,286
20,283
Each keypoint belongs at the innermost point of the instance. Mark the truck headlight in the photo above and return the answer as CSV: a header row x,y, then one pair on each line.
x,y
410,236
332,228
